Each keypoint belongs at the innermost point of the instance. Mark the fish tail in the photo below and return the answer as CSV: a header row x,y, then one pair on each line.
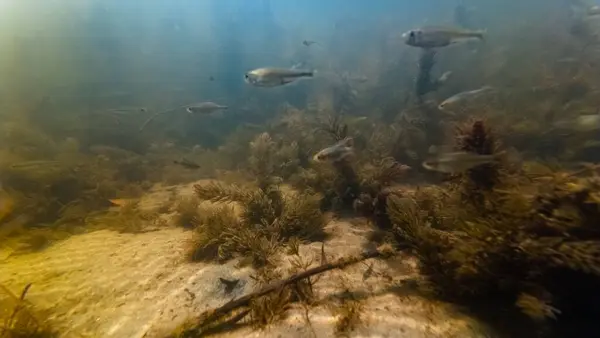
x,y
309,73
480,34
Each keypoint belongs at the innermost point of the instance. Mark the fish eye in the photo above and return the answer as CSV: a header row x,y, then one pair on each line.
x,y
411,34
246,76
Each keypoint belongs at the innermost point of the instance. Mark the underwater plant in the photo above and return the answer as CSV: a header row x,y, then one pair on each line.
x,y
186,211
519,243
17,319
266,221
268,217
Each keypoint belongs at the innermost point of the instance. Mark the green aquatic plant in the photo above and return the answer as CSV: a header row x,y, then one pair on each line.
x,y
348,313
537,238
268,217
186,210
17,320
476,137
266,220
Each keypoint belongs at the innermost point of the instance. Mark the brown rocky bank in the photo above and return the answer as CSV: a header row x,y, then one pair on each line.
x,y
109,284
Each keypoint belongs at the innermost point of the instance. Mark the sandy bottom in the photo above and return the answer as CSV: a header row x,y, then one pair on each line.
x,y
107,284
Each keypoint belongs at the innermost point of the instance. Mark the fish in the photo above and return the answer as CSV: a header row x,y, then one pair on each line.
x,y
444,77
457,162
187,164
460,97
582,123
7,204
436,37
273,77
121,111
201,108
35,164
204,108
593,11
229,284
121,202
340,151
307,43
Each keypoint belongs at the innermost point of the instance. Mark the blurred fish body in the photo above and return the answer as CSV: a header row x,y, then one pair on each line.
x,y
594,11
187,164
582,123
444,77
456,162
273,77
205,108
460,97
7,204
340,151
434,37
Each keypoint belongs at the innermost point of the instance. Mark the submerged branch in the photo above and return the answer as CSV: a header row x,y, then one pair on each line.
x,y
214,316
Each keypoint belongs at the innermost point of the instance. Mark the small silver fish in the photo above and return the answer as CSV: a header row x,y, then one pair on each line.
x,y
184,162
340,151
35,164
128,110
435,37
582,123
307,43
204,108
457,162
444,77
593,11
273,77
447,103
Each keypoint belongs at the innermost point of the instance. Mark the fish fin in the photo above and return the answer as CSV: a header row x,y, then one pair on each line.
x,y
118,202
427,165
311,73
348,142
284,81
